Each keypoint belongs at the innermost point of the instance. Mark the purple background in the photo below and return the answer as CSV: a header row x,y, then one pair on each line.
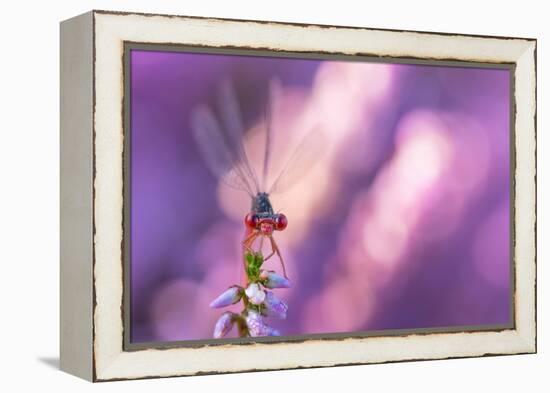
x,y
403,223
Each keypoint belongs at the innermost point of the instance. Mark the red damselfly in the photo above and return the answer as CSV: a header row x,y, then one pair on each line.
x,y
219,133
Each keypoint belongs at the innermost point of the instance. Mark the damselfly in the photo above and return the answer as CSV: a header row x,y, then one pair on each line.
x,y
219,133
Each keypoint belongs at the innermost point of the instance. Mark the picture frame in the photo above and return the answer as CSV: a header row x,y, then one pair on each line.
x,y
94,265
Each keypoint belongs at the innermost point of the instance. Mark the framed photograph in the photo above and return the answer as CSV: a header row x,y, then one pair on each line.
x,y
245,195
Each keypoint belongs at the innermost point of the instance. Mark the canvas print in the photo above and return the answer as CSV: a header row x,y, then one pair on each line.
x,y
278,196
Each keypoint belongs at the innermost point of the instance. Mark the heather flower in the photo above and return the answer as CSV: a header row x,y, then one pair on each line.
x,y
231,296
274,307
272,280
255,294
257,301
272,332
224,324
257,326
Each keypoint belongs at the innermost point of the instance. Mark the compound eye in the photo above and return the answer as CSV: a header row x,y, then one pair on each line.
x,y
251,220
281,222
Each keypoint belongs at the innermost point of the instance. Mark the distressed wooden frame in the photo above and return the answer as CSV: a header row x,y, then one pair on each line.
x,y
92,195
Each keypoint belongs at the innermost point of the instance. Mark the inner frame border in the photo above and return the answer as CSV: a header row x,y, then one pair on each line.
x,y
128,46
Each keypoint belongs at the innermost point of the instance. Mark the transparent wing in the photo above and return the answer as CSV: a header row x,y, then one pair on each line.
x,y
233,125
306,154
217,152
274,94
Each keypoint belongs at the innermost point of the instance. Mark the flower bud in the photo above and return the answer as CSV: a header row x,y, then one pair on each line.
x,y
224,324
273,280
255,294
256,325
231,296
272,332
275,307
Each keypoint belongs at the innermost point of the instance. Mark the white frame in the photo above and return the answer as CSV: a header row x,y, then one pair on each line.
x,y
92,231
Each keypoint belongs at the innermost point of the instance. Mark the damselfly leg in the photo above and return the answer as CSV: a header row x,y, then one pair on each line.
x,y
248,243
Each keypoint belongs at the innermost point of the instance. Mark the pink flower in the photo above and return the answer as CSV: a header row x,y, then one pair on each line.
x,y
224,324
230,296
275,307
273,280
255,294
257,326
272,332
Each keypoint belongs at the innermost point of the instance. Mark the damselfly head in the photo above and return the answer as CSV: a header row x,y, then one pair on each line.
x,y
266,224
